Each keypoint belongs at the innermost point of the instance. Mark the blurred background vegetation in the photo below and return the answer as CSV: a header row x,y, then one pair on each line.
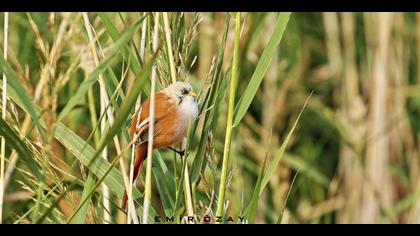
x,y
353,157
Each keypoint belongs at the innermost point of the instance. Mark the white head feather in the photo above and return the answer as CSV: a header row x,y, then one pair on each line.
x,y
181,93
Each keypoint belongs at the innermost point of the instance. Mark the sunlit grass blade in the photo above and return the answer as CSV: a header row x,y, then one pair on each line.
x,y
262,66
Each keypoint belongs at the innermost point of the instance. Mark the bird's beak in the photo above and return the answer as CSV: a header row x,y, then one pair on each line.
x,y
192,94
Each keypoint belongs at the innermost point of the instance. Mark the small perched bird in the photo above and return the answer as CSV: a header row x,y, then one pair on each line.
x,y
175,105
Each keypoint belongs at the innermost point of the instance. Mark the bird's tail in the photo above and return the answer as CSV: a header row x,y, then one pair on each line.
x,y
140,156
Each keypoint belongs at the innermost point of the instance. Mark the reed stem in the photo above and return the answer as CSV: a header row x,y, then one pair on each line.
x,y
229,126
148,185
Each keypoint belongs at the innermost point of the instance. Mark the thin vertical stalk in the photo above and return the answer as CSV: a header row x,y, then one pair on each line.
x,y
171,66
187,185
143,39
148,185
131,209
105,189
229,125
169,45
188,196
3,115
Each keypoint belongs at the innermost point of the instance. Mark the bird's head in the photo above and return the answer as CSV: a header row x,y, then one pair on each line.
x,y
180,91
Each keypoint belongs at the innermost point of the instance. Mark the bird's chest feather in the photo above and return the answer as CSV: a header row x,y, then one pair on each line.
x,y
187,110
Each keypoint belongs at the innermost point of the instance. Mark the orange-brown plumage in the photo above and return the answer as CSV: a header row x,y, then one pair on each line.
x,y
173,108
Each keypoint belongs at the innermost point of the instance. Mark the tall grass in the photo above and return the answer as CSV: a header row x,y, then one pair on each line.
x,y
304,117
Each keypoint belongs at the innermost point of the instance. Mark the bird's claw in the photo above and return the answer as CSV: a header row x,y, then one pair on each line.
x,y
181,153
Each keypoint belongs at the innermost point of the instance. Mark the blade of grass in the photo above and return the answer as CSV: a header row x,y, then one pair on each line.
x,y
89,184
272,167
252,208
229,127
279,220
112,84
187,183
165,183
262,66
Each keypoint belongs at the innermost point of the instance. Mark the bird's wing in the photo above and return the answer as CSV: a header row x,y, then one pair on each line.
x,y
142,132
140,126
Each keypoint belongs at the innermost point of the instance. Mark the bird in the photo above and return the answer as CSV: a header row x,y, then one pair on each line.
x,y
175,106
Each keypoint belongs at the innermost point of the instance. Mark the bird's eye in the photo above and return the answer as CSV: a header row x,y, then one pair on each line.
x,y
184,91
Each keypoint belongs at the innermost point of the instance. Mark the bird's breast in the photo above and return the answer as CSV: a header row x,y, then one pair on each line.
x,y
187,110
